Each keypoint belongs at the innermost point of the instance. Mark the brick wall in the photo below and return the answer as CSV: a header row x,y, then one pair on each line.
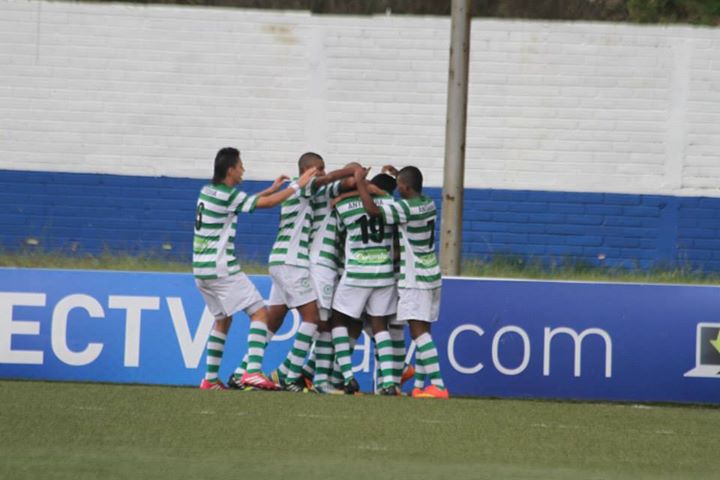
x,y
93,213
156,90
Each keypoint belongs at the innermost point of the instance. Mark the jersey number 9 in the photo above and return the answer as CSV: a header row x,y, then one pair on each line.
x,y
199,215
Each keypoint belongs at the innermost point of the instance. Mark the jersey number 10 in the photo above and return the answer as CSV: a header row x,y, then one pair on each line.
x,y
372,229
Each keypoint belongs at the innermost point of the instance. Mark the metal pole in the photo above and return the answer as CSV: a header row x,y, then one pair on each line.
x,y
454,173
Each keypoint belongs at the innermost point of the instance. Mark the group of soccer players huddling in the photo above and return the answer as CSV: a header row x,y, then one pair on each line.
x,y
348,256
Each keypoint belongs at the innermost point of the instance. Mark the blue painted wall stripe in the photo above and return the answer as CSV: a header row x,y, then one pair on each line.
x,y
90,213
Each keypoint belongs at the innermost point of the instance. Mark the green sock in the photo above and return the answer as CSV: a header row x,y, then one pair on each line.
x,y
427,352
383,344
299,350
215,350
343,356
323,358
257,342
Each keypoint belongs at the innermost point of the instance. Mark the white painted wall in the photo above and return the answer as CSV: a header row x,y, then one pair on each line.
x,y
156,90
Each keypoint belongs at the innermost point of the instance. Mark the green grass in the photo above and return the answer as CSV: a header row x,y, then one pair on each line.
x,y
90,431
566,269
500,266
105,261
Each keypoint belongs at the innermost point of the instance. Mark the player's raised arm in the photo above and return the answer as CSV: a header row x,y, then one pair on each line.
x,y
372,188
336,175
362,187
278,197
341,197
274,187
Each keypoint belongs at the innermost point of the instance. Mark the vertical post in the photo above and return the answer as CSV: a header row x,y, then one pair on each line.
x,y
454,172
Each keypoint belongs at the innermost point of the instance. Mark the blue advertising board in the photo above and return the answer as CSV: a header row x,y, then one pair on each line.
x,y
499,338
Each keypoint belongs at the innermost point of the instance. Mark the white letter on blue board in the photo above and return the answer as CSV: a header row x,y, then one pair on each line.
x,y
59,329
10,327
134,307
451,348
191,347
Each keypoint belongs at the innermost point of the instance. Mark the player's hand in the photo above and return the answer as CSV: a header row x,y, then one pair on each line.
x,y
306,176
278,182
390,170
361,174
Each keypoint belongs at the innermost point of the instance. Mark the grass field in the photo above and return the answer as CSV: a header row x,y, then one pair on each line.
x,y
94,431
500,266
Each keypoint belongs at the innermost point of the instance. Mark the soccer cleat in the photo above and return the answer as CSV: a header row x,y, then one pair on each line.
x,y
407,374
297,386
434,392
275,377
212,385
233,383
327,389
418,393
258,380
352,387
391,391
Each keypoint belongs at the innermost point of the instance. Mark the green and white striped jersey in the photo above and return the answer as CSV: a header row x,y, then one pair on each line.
x,y
292,244
415,218
321,203
325,247
324,239
215,227
368,246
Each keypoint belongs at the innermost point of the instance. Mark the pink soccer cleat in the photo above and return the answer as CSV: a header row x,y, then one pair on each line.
x,y
258,380
418,393
212,385
432,391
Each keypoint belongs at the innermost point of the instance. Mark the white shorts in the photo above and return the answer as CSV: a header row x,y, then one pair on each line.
x,y
417,304
324,280
352,301
291,286
226,296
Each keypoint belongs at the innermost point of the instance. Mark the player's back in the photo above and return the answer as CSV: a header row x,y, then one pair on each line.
x,y
215,230
368,244
419,267
292,242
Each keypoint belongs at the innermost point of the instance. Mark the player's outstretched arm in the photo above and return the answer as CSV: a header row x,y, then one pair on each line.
x,y
372,188
278,197
334,201
275,186
336,175
364,193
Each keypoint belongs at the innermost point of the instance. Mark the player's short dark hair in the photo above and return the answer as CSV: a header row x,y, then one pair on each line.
x,y
306,159
412,177
227,157
384,181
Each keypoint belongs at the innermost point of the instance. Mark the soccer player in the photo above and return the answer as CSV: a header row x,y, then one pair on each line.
x,y
367,285
225,288
420,280
290,261
325,263
383,184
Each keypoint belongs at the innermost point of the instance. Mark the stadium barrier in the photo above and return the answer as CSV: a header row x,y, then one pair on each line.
x,y
498,338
